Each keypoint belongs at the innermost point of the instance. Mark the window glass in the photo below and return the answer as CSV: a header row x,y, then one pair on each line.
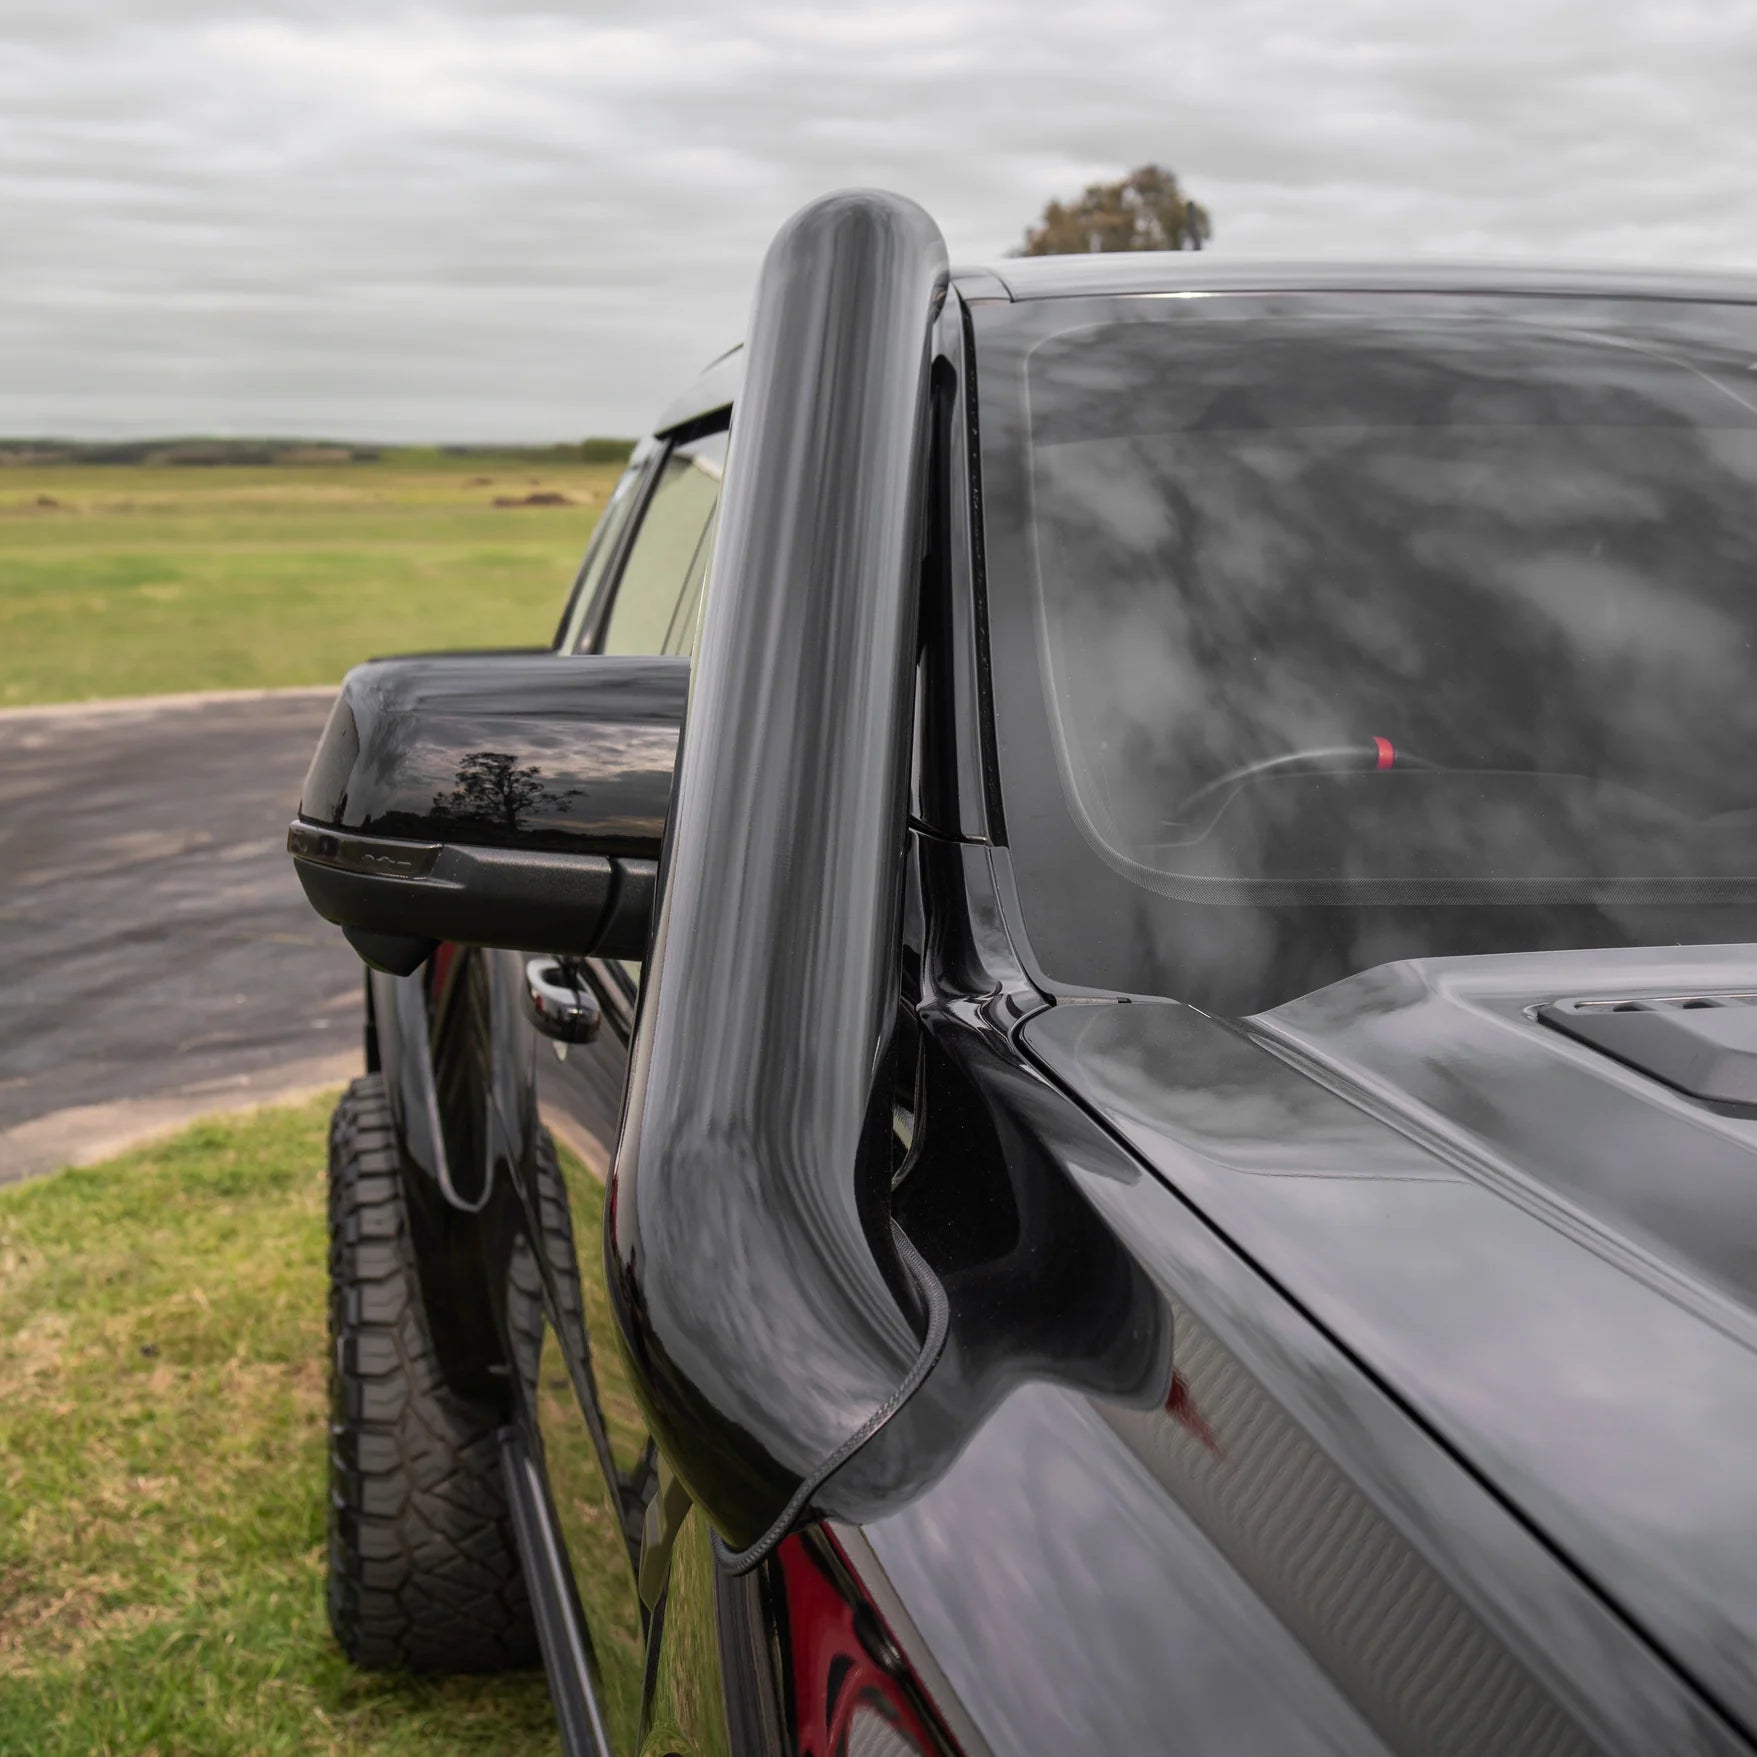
x,y
658,597
602,547
671,535
686,623
1333,631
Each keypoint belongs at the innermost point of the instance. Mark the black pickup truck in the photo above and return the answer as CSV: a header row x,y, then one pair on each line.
x,y
1079,1071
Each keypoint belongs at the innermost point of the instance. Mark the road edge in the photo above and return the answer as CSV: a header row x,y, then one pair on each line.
x,y
83,1134
134,704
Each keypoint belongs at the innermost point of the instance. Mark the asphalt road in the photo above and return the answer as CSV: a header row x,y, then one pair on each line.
x,y
157,958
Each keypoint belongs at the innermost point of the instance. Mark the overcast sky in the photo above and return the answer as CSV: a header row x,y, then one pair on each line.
x,y
474,220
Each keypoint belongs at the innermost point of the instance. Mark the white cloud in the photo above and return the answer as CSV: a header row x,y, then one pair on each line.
x,y
479,219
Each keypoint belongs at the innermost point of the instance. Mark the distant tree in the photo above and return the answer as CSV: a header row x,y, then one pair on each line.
x,y
493,789
1145,211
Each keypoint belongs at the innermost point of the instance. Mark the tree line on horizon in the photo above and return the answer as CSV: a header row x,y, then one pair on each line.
x,y
197,452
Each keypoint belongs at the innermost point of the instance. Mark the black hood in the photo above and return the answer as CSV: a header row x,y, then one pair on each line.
x,y
1547,1255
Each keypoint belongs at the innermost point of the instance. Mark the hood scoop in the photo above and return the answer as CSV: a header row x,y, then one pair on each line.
x,y
1703,1045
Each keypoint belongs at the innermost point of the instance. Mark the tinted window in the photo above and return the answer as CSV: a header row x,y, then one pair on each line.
x,y
687,620
658,595
671,538
602,548
1332,631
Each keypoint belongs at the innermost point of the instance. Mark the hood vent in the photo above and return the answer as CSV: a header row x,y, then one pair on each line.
x,y
1703,1045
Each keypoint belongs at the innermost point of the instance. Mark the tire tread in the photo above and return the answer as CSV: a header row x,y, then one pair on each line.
x,y
424,1570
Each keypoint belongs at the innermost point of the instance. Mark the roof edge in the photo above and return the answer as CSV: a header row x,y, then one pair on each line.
x,y
1123,273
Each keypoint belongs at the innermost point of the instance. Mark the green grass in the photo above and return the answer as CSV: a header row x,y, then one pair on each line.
x,y
162,1470
141,580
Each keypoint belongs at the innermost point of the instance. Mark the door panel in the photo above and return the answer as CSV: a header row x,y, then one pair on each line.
x,y
595,1448
598,1456
688,1711
594,1506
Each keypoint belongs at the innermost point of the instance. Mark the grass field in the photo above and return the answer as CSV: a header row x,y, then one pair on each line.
x,y
162,1418
138,580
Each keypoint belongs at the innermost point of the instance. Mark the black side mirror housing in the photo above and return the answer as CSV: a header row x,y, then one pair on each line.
x,y
510,799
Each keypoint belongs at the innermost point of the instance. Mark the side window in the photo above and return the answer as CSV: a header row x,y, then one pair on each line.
x,y
605,541
658,596
668,557
687,618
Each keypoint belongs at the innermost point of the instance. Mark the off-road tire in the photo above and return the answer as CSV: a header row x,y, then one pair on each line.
x,y
424,1570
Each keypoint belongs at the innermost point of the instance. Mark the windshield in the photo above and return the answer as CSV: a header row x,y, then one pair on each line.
x,y
1328,631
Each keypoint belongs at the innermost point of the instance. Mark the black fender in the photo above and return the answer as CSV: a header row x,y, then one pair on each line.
x,y
458,1059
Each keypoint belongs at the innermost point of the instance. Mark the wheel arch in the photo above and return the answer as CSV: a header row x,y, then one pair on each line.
x,y
458,1181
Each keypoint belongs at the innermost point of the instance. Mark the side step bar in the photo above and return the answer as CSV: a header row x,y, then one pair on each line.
x,y
561,1631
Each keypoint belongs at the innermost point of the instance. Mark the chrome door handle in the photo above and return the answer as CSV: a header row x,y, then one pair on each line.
x,y
558,1002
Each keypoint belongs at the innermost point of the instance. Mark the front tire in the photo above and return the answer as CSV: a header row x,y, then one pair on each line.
x,y
424,1571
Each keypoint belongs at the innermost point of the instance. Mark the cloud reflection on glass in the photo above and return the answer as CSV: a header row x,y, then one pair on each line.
x,y
1416,623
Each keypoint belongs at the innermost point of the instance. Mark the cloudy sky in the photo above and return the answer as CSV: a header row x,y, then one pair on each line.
x,y
476,220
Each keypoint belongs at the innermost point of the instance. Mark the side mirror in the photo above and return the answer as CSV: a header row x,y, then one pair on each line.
x,y
496,799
